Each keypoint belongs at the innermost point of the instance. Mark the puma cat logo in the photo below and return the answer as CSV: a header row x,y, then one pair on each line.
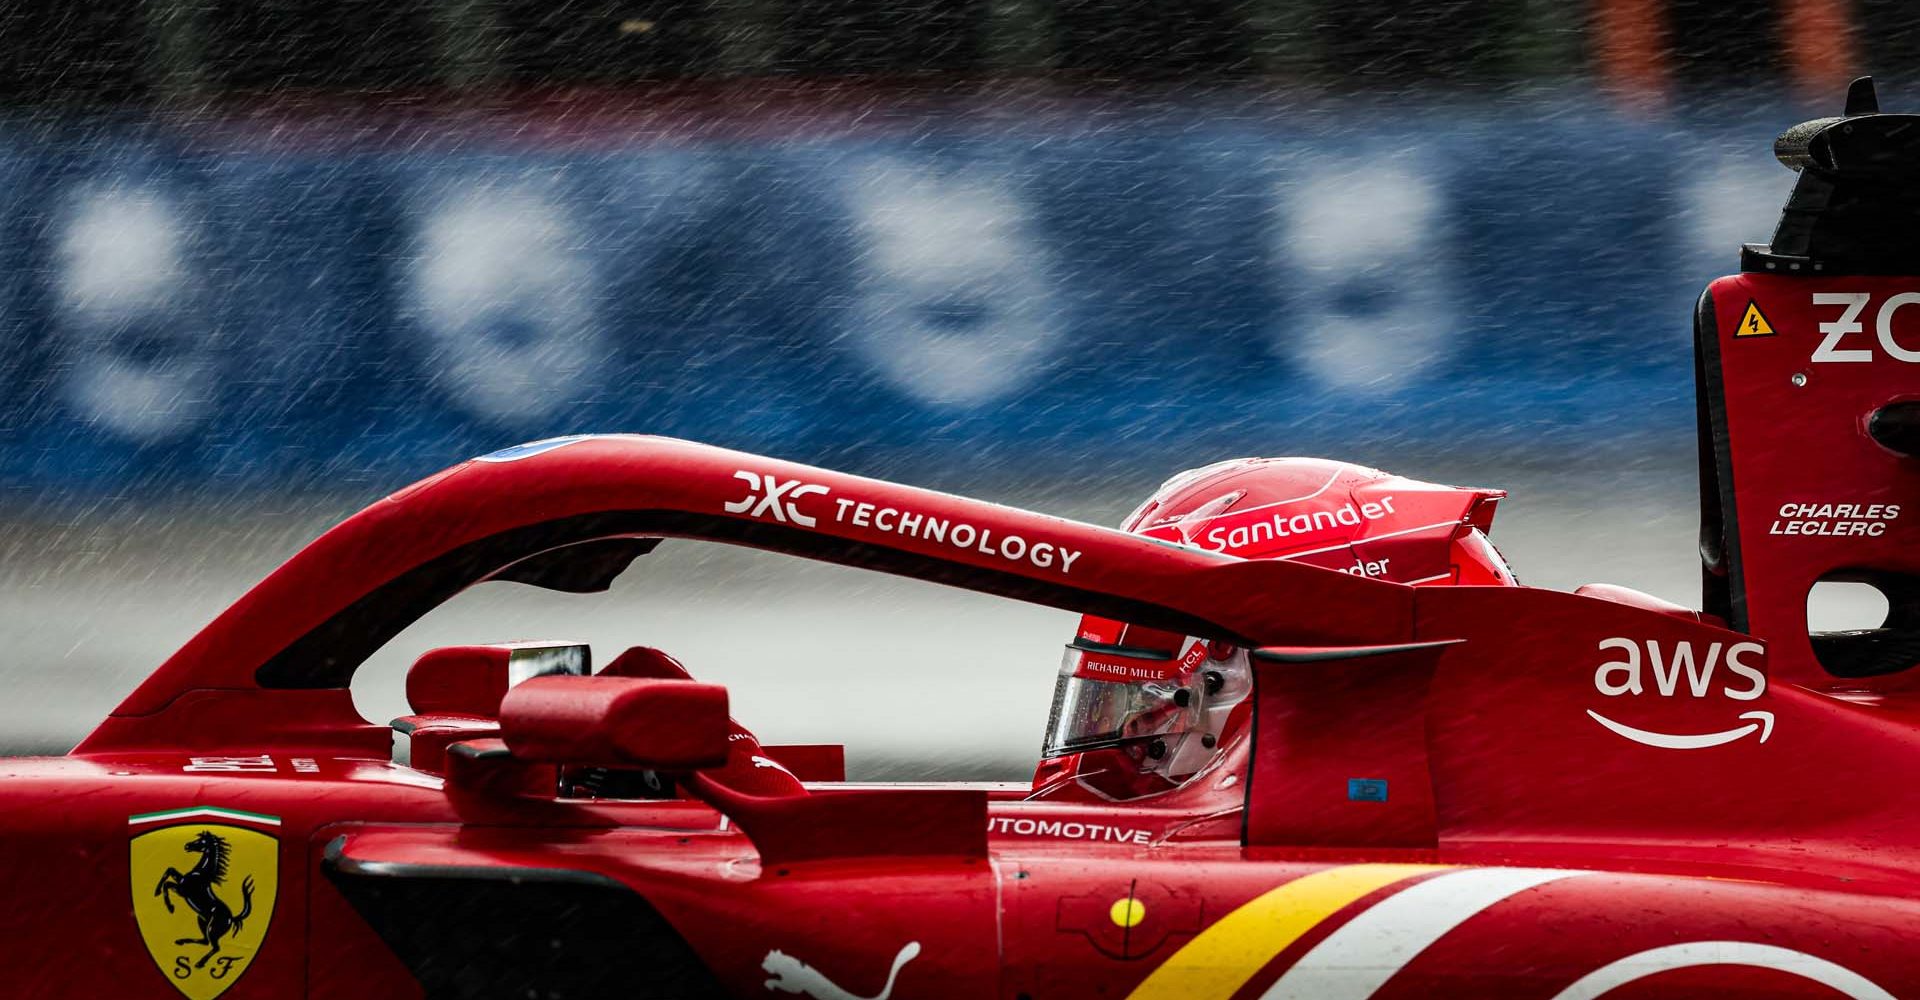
x,y
790,975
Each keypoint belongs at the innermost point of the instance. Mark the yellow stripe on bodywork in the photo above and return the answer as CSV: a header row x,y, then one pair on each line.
x,y
1220,959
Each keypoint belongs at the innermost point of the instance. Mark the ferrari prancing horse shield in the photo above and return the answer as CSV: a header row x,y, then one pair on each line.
x,y
203,894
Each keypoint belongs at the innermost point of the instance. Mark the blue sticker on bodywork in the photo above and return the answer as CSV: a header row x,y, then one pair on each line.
x,y
1367,789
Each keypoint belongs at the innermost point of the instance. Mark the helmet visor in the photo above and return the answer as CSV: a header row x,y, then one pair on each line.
x,y
1108,696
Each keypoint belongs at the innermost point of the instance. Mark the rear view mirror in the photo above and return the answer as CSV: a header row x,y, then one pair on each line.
x,y
626,722
471,680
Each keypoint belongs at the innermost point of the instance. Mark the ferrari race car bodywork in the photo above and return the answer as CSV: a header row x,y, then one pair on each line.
x,y
1457,792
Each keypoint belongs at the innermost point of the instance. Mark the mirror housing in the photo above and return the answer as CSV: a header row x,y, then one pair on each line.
x,y
624,722
471,680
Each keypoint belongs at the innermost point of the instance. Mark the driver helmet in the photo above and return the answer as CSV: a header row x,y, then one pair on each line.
x,y
1138,711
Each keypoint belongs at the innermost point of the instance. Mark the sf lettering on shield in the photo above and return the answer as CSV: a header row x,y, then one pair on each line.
x,y
221,968
203,897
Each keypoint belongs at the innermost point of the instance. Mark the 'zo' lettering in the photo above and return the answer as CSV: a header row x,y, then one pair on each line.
x,y
1853,304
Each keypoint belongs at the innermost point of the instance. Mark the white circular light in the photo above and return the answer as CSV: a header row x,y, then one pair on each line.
x,y
506,300
139,359
1361,247
952,300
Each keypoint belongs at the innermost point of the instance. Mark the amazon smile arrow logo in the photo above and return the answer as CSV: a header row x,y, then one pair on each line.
x,y
1688,672
1668,741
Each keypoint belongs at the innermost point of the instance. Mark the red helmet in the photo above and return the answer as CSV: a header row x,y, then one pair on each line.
x,y
1138,710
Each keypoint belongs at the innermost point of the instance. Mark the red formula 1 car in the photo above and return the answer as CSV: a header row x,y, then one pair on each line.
x,y
1437,791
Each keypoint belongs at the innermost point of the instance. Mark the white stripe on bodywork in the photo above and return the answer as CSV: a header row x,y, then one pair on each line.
x,y
1702,953
1368,950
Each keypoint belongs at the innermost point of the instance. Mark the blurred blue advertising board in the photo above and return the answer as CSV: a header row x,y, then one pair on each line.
x,y
204,308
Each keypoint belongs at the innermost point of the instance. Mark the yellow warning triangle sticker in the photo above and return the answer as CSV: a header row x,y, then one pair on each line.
x,y
1754,323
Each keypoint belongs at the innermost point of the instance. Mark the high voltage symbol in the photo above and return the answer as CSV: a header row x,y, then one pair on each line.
x,y
1754,323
